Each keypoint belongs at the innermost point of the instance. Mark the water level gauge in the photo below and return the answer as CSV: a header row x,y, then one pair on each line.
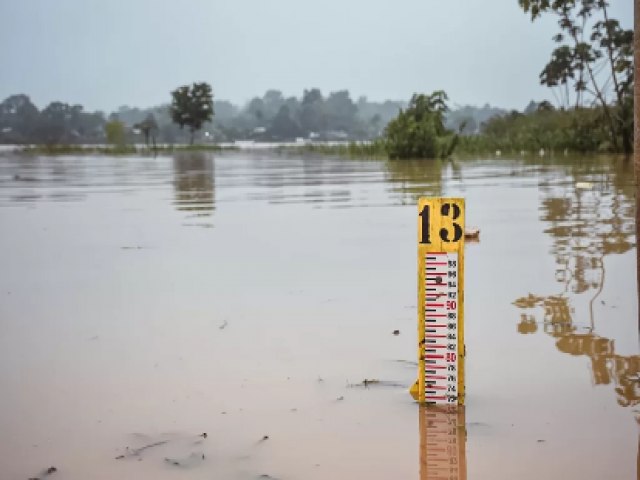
x,y
440,301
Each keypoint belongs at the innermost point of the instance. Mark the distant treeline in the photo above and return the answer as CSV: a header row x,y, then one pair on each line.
x,y
272,117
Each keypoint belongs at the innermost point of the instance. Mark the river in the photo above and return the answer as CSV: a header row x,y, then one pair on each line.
x,y
247,295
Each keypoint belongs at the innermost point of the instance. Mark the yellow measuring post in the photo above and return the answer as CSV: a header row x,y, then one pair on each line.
x,y
440,302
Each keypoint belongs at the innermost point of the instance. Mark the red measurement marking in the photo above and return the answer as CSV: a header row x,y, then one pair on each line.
x,y
436,367
436,387
436,398
435,336
437,377
437,325
436,284
434,356
437,315
436,263
430,346
436,274
435,304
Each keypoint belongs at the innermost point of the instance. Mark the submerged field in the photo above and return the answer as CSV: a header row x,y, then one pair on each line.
x,y
248,295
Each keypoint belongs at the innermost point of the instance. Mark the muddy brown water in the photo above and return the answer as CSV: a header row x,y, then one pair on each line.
x,y
145,301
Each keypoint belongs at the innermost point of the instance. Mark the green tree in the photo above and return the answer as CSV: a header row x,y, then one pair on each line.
x,y
581,65
149,128
18,117
419,131
340,111
115,131
312,116
191,106
272,100
56,123
283,127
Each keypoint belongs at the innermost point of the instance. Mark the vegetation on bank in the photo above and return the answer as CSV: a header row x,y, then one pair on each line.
x,y
419,131
192,106
543,128
592,67
581,130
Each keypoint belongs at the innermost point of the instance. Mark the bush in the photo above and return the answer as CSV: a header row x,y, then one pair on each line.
x,y
419,131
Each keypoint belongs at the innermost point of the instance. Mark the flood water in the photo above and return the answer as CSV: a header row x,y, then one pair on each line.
x,y
146,301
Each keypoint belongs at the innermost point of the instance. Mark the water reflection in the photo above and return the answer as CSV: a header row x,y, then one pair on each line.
x,y
607,367
194,182
412,179
443,440
586,225
586,221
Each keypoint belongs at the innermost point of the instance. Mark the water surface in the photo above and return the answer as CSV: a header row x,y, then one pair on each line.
x,y
146,301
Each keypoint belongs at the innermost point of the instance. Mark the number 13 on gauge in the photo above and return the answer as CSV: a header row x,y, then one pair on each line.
x,y
440,301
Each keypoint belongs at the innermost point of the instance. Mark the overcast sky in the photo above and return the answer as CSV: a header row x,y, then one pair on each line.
x,y
107,53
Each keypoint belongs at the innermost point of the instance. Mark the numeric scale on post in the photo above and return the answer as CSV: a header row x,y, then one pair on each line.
x,y
441,348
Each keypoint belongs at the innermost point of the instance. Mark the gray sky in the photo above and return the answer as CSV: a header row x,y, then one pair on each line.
x,y
107,53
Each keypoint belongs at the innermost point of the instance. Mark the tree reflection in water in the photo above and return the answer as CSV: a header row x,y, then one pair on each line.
x,y
194,183
607,367
587,221
411,179
586,225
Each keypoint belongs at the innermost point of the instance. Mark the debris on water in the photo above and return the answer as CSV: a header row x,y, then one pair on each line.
x,y
187,462
368,382
25,179
396,332
340,398
408,363
45,473
134,452
224,325
266,437
320,379
135,247
584,185
472,233
204,435
541,441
